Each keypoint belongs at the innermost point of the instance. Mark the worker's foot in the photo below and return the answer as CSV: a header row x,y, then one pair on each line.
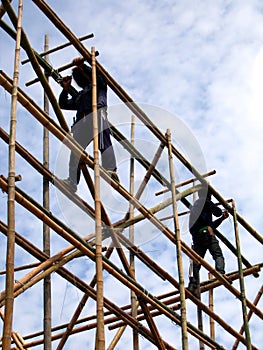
x,y
113,174
192,288
70,184
227,278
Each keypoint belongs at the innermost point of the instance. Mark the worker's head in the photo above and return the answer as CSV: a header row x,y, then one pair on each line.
x,y
82,76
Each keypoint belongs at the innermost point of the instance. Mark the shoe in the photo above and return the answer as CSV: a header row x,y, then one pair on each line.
x,y
228,279
70,184
113,174
192,288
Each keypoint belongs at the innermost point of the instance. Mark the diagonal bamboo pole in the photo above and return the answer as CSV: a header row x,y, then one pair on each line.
x,y
3,10
10,254
241,279
178,246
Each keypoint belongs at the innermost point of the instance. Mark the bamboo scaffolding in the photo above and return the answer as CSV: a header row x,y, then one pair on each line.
x,y
10,254
195,256
137,110
149,307
76,280
130,283
241,279
178,246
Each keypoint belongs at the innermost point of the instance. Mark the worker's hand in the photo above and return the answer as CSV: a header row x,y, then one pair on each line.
x,y
225,215
66,82
78,61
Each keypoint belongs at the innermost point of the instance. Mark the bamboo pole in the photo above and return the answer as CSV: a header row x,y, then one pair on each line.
x,y
178,247
116,338
10,254
60,47
241,279
100,337
186,182
134,303
3,10
46,229
211,307
235,346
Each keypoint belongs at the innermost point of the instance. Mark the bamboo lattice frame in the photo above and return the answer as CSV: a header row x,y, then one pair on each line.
x,y
143,311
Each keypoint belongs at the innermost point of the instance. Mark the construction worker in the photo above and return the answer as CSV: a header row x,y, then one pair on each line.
x,y
202,228
82,128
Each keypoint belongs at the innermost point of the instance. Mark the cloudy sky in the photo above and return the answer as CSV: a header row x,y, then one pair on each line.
x,y
197,68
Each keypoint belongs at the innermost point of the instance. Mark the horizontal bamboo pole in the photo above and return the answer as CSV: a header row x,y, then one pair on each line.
x,y
82,38
186,182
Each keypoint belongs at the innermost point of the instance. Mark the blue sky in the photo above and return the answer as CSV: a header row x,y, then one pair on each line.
x,y
199,66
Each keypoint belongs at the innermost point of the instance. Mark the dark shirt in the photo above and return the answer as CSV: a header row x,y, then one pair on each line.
x,y
82,101
201,217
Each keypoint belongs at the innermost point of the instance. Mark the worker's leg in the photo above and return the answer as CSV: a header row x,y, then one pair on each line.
x,y
82,132
217,255
108,159
200,248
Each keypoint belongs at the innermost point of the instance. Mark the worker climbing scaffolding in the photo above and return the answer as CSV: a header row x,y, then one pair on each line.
x,y
202,228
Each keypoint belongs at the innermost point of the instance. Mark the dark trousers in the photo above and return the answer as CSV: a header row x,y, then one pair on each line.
x,y
201,243
83,133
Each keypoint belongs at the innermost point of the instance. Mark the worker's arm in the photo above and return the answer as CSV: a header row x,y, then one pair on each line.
x,y
64,101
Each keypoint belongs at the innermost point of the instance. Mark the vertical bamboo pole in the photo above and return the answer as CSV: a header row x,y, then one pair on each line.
x,y
131,238
255,302
241,278
46,229
199,310
178,246
100,337
10,254
211,307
